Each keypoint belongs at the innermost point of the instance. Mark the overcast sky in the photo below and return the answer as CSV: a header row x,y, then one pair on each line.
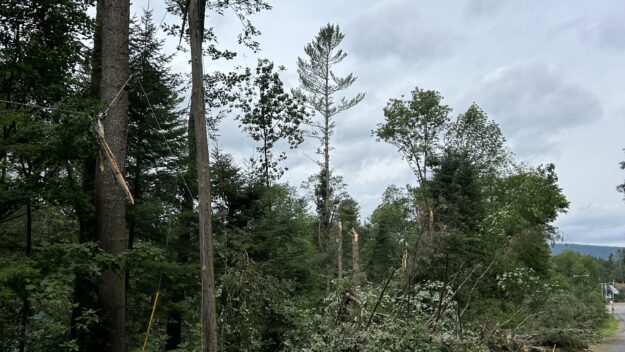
x,y
549,72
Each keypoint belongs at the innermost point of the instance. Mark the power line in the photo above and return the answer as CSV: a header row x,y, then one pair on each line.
x,y
103,114
171,153
30,105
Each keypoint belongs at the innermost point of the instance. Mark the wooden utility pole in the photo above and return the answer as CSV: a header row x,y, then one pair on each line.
x,y
209,320
110,199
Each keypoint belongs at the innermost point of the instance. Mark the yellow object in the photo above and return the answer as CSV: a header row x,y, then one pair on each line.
x,y
147,333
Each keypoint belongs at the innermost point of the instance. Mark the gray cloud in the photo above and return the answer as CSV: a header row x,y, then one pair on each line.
x,y
535,104
397,29
594,223
486,7
604,32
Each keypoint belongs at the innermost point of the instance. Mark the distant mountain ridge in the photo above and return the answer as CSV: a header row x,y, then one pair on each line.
x,y
601,252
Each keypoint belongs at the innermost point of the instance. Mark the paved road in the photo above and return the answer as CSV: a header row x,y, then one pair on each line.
x,y
617,342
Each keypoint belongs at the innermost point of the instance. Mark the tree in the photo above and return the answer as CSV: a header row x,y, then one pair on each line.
x,y
347,214
388,233
415,127
156,134
481,139
157,146
110,198
456,193
198,115
275,116
319,85
38,153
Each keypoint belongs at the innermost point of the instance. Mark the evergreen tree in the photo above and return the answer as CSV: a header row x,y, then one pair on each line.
x,y
274,116
156,132
319,85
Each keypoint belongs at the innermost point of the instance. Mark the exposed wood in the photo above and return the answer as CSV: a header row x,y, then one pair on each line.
x,y
340,249
208,315
355,253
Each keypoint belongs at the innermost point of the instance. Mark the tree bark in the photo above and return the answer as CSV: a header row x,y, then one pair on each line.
x,y
209,318
25,301
340,249
110,199
355,254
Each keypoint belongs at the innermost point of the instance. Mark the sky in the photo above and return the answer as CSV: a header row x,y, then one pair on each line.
x,y
550,73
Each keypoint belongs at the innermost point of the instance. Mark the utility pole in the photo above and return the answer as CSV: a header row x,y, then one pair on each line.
x,y
209,320
583,277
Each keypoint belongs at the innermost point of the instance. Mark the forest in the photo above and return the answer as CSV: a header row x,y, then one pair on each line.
x,y
125,226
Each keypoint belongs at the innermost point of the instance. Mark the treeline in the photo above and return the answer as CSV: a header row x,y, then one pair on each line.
x,y
458,260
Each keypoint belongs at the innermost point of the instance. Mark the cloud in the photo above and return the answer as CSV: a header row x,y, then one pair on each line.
x,y
535,104
604,32
397,29
599,223
486,7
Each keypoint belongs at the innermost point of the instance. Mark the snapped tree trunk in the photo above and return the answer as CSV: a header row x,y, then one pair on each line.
x,y
340,249
355,254
110,199
209,318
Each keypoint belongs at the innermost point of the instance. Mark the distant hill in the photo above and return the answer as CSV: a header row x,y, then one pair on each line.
x,y
601,252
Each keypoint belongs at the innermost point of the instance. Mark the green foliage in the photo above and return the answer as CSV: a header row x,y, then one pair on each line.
x,y
361,318
459,262
415,127
317,78
276,115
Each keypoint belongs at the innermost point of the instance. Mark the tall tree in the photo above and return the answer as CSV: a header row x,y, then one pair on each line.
x,y
276,115
156,132
40,49
157,144
415,127
110,198
481,139
198,115
320,85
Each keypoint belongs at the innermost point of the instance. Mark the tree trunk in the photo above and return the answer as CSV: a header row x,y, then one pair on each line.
x,y
355,254
209,318
29,227
110,199
25,301
340,249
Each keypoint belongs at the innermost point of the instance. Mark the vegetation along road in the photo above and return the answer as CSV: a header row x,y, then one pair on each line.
x,y
617,342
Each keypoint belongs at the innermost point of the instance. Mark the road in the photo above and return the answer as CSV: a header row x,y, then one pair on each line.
x,y
615,343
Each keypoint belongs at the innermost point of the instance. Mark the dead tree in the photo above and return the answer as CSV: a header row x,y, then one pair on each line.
x,y
355,255
209,320
340,249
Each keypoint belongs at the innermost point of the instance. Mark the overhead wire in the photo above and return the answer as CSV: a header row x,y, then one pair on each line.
x,y
43,107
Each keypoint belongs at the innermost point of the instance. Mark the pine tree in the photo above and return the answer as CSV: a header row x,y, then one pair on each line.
x,y
319,85
276,115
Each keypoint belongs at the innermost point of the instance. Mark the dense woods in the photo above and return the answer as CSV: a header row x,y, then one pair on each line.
x,y
185,248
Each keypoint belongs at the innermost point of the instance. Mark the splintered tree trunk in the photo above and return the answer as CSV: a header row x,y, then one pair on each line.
x,y
340,249
209,318
110,199
355,255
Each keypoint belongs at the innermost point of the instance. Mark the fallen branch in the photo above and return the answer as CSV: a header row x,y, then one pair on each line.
x,y
379,298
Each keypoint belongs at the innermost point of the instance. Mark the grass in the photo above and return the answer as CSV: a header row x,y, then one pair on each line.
x,y
608,327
